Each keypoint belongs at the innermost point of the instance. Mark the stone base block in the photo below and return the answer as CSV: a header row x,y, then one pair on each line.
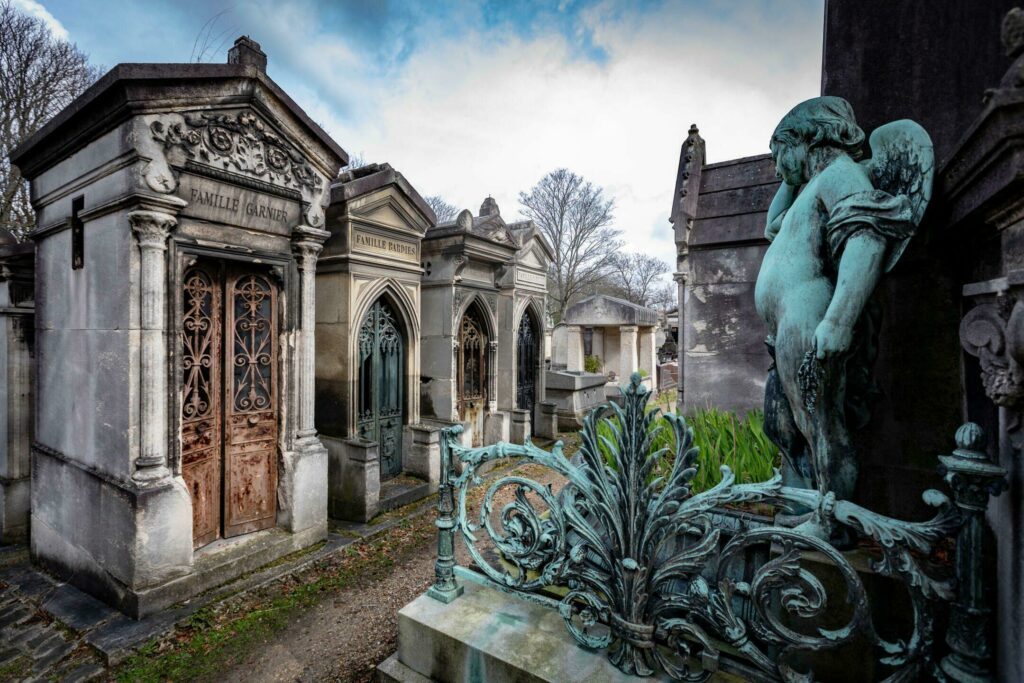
x,y
133,548
486,635
496,427
353,479
14,503
422,458
520,430
547,420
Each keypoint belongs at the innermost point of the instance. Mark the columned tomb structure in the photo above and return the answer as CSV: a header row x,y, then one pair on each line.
x,y
619,333
181,213
368,334
484,290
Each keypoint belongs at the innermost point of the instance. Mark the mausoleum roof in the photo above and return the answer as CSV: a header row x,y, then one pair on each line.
x,y
131,89
602,310
371,177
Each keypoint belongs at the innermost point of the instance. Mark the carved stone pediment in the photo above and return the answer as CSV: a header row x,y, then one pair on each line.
x,y
235,146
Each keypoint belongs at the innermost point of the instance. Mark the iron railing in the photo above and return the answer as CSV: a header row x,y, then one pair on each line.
x,y
636,566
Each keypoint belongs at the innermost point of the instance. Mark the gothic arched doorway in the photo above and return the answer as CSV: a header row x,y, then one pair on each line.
x,y
527,353
472,372
381,404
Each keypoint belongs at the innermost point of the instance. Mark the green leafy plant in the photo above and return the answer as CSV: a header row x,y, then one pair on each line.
x,y
643,373
724,438
592,364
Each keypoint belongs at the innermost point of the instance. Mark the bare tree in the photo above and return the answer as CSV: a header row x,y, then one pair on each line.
x,y
40,74
576,218
636,275
663,296
443,210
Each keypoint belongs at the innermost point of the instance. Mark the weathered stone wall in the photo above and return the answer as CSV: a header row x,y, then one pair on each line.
x,y
927,61
723,354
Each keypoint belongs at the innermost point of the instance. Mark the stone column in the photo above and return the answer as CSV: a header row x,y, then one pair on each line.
x,y
680,279
151,229
574,342
649,356
307,244
627,353
492,376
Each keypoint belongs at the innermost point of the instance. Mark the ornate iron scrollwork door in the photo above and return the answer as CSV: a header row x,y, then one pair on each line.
x,y
526,363
201,401
381,387
250,458
472,373
229,407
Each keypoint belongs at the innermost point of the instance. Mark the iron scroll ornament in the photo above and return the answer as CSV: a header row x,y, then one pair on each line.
x,y
610,539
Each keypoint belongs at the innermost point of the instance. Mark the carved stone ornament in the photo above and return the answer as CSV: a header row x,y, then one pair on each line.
x,y
238,142
151,228
994,334
492,303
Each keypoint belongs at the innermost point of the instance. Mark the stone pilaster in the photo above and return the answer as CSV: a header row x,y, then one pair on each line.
x,y
307,244
628,360
574,342
681,280
151,230
649,355
492,376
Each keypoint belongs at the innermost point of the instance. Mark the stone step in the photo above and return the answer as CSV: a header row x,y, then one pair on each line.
x,y
400,491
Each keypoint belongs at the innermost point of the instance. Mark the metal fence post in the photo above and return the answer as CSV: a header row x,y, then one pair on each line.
x,y
445,587
974,479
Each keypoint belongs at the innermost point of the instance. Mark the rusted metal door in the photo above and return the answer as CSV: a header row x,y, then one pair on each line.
x,y
472,373
250,414
201,400
527,352
229,406
381,385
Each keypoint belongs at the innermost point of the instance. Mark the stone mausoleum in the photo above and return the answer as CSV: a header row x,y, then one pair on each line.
x,y
368,353
17,328
484,289
619,333
180,215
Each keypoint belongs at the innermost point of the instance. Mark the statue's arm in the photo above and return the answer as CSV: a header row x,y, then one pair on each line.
x,y
782,200
860,269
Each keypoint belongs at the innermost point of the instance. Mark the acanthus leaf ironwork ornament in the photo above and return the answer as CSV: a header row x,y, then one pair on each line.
x,y
645,573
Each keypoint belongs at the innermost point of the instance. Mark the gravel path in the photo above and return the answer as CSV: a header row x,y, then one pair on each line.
x,y
343,637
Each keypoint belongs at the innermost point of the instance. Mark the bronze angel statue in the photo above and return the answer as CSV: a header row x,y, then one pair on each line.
x,y
836,225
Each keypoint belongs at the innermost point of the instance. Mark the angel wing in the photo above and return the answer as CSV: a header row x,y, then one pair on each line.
x,y
902,163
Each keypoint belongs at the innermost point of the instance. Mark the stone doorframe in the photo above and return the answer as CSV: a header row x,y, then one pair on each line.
x,y
488,310
164,258
535,306
406,309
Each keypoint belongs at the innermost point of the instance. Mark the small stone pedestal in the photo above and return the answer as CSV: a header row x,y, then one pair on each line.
x,y
521,430
485,635
547,421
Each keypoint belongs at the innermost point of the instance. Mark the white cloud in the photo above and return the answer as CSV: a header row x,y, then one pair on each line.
x,y
491,113
36,9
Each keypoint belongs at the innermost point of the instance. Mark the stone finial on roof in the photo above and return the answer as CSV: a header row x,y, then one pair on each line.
x,y
489,207
464,220
247,51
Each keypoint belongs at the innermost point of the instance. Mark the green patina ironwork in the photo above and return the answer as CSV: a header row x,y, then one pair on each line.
x,y
628,552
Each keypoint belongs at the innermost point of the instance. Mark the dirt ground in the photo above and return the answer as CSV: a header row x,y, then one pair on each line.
x,y
345,636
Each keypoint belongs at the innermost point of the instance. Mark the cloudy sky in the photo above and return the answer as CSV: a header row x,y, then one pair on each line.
x,y
475,98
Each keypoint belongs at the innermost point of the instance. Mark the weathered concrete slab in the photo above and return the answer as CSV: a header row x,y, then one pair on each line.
x,y
488,636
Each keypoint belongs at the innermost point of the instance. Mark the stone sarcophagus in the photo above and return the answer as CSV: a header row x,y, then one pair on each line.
x,y
180,212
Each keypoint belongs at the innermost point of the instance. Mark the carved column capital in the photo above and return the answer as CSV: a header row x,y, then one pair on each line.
x,y
307,243
152,228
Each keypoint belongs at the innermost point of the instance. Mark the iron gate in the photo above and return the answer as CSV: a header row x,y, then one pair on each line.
x,y
229,401
472,372
526,363
381,405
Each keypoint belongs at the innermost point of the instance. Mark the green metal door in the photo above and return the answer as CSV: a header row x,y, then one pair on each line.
x,y
381,385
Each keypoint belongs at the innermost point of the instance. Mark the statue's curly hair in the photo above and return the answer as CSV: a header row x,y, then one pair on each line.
x,y
822,121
